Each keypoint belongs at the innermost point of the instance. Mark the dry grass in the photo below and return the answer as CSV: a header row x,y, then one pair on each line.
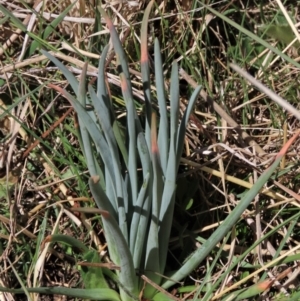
x,y
233,135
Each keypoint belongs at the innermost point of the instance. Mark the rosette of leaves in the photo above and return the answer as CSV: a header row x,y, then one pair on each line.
x,y
139,206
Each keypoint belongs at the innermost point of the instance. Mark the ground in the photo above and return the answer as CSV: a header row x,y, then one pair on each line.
x,y
233,135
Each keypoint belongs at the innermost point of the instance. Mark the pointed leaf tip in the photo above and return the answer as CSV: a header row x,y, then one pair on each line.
x,y
95,179
262,286
47,239
288,144
108,21
144,42
57,88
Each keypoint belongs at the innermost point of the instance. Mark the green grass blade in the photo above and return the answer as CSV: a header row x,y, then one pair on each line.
x,y
49,29
14,19
275,97
252,36
69,76
282,33
92,275
231,219
284,241
211,267
24,289
240,260
161,296
22,27
43,229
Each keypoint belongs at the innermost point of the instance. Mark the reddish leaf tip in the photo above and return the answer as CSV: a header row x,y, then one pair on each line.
x,y
95,179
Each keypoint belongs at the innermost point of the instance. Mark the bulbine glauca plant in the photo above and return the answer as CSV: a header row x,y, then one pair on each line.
x,y
138,206
133,179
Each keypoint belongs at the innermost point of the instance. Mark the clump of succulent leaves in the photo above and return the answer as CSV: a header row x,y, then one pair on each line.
x,y
136,206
